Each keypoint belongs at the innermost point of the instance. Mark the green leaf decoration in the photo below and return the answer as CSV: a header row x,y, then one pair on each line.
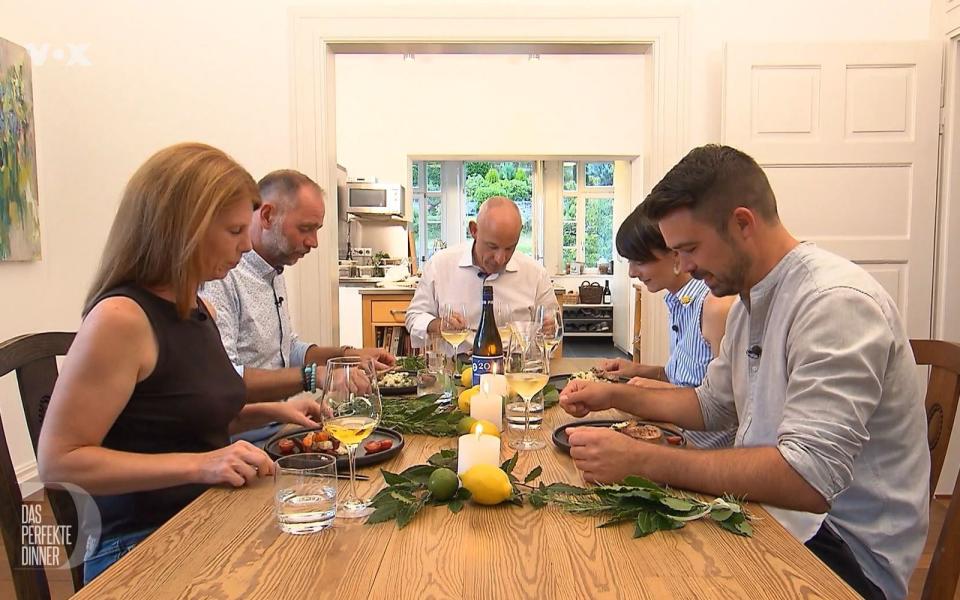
x,y
383,514
721,514
533,474
678,504
419,473
393,478
510,464
444,458
551,396
455,506
649,522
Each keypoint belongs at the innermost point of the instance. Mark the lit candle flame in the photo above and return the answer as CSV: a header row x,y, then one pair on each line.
x,y
485,385
479,431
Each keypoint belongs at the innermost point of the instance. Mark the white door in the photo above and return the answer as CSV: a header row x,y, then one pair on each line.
x,y
848,135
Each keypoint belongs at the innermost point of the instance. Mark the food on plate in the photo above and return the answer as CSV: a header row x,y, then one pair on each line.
x,y
397,379
594,374
374,446
639,431
313,441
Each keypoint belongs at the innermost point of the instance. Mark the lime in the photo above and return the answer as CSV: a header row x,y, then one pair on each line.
x,y
487,484
443,483
465,424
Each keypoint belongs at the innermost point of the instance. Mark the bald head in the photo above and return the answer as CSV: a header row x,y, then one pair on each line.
x,y
496,233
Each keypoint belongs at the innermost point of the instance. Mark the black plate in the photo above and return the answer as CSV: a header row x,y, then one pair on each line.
x,y
363,459
560,433
559,381
406,390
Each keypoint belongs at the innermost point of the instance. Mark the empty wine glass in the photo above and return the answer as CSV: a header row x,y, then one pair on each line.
x,y
527,373
524,326
351,398
550,319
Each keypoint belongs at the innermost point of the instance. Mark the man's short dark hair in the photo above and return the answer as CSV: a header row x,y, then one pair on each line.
x,y
638,238
282,185
711,181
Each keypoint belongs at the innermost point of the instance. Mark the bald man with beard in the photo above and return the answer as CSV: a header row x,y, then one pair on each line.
x,y
458,274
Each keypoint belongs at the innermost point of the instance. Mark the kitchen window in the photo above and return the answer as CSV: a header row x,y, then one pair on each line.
x,y
586,213
513,179
427,196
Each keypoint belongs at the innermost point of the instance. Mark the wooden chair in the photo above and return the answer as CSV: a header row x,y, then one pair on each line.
x,y
34,359
943,395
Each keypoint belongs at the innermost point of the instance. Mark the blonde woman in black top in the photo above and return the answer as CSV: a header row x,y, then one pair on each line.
x,y
142,412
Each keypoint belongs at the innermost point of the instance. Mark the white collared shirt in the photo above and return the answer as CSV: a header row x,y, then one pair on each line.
x,y
451,276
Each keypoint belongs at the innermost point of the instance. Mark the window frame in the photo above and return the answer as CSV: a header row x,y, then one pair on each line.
x,y
420,200
582,193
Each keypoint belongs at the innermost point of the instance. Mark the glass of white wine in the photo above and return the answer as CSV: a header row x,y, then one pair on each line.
x,y
527,373
504,315
352,409
453,328
550,319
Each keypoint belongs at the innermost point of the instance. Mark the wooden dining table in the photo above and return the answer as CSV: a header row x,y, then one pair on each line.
x,y
227,544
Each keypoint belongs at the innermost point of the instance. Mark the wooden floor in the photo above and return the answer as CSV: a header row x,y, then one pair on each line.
x,y
61,586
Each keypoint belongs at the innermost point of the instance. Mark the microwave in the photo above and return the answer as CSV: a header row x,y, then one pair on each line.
x,y
368,198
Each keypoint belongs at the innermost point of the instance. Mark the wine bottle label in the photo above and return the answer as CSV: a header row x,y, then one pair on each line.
x,y
486,364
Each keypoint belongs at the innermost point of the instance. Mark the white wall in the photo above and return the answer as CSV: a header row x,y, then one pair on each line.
x,y
467,105
217,71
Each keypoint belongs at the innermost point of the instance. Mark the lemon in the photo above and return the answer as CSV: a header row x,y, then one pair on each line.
x,y
466,377
443,484
487,484
465,425
488,427
463,400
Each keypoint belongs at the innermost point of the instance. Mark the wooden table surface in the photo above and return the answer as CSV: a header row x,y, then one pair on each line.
x,y
226,544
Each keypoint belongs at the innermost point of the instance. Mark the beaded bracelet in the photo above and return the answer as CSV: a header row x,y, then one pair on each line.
x,y
310,378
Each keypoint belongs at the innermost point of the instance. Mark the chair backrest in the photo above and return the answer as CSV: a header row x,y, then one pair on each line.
x,y
944,573
34,359
943,394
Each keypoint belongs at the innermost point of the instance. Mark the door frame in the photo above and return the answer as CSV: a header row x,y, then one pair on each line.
x,y
319,33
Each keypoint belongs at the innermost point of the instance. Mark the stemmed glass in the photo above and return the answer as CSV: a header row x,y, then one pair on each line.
x,y
453,328
504,316
352,409
527,373
524,326
550,319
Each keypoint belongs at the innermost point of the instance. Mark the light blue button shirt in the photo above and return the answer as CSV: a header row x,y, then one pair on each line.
x,y
836,390
252,315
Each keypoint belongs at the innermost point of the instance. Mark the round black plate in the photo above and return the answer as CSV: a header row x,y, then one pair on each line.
x,y
559,381
363,459
406,390
560,433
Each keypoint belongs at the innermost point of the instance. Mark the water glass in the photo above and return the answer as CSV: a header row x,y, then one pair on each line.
x,y
430,382
305,492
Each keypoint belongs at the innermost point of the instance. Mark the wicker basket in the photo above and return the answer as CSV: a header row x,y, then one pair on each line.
x,y
591,293
568,298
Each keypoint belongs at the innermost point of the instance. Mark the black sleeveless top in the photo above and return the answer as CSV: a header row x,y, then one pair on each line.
x,y
185,405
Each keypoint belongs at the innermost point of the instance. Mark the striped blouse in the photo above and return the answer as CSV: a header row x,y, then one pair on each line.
x,y
690,353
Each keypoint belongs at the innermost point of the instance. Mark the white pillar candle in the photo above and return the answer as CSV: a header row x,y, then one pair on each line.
x,y
494,383
477,449
488,407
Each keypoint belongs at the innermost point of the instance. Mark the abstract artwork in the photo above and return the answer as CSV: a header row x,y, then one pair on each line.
x,y
19,205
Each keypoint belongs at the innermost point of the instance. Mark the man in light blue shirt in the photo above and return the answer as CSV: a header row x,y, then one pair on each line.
x,y
250,302
816,368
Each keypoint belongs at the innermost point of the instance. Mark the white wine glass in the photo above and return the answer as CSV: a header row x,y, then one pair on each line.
x,y
352,410
527,373
504,316
550,319
453,329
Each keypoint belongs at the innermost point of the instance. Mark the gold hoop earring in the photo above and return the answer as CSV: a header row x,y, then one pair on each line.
x,y
676,268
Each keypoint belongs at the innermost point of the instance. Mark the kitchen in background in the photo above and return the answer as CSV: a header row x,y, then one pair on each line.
x,y
374,255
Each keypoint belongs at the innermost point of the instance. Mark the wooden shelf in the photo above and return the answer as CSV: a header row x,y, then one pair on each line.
x,y
610,306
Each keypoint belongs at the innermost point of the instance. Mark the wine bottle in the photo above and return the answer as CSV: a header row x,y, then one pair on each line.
x,y
487,345
607,294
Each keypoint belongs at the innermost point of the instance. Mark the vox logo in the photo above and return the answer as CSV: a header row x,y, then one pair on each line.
x,y
68,55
